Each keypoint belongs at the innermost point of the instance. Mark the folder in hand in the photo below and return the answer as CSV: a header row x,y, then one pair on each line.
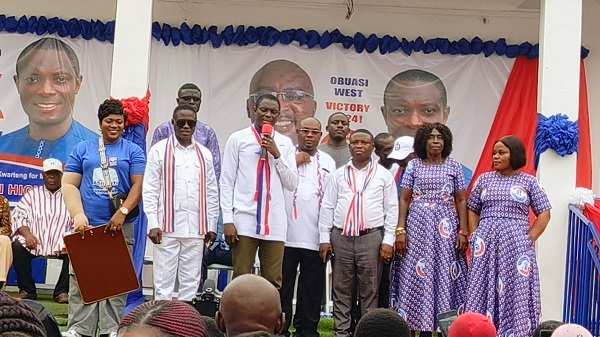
x,y
102,264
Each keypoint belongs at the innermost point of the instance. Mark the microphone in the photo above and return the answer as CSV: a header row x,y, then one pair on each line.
x,y
267,129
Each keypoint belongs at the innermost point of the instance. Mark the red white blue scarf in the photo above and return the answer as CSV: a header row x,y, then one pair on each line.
x,y
169,189
262,194
355,216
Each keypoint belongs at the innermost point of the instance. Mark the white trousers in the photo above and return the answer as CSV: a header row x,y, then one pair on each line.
x,y
181,259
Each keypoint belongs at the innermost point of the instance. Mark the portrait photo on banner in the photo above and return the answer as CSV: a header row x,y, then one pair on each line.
x,y
51,88
392,93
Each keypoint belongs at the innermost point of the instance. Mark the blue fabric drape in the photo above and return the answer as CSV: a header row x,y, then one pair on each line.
x,y
270,36
136,133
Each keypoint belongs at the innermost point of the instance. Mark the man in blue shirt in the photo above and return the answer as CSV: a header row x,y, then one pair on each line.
x,y
47,79
190,94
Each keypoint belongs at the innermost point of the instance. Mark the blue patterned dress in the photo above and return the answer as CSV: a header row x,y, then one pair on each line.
x,y
504,280
431,278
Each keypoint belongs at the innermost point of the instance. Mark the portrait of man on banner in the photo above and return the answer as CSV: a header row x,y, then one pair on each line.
x,y
47,80
412,98
293,88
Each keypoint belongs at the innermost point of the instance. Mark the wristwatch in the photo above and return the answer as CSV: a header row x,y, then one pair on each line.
x,y
124,210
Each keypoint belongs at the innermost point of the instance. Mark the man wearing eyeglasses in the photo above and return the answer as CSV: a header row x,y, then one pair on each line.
x,y
315,167
190,94
294,89
181,200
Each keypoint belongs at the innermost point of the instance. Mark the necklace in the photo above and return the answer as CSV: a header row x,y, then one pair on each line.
x,y
38,153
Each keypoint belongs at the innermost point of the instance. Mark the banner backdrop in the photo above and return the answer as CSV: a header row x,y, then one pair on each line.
x,y
342,79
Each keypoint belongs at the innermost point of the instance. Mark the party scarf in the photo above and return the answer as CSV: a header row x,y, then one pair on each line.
x,y
262,196
355,216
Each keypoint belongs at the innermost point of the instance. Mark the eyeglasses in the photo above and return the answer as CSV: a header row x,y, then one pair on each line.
x,y
190,98
294,96
182,122
309,132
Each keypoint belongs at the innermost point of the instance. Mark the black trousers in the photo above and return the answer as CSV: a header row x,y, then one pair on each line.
x,y
384,287
22,264
311,283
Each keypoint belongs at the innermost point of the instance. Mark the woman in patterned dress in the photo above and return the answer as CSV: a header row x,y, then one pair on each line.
x,y
429,270
504,278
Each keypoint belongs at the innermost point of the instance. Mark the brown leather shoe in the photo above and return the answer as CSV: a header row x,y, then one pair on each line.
x,y
62,298
26,296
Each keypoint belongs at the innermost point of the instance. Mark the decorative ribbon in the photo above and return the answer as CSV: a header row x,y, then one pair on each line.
x,y
262,196
557,133
137,110
269,36
169,189
320,183
355,216
136,126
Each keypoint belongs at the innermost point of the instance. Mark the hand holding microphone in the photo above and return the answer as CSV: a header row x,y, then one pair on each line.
x,y
267,142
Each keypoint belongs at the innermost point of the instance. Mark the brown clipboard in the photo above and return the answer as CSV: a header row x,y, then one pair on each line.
x,y
101,263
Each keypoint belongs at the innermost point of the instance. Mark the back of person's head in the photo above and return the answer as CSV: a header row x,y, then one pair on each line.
x,y
382,323
549,325
45,316
571,330
472,324
211,327
250,303
165,318
17,319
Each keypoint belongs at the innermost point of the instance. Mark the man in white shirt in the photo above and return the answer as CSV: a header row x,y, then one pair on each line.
x,y
40,221
181,200
257,167
315,168
358,218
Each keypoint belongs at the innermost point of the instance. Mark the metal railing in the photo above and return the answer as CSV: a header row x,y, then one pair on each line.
x,y
582,276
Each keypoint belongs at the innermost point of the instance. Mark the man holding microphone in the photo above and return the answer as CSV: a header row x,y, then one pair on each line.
x,y
258,164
